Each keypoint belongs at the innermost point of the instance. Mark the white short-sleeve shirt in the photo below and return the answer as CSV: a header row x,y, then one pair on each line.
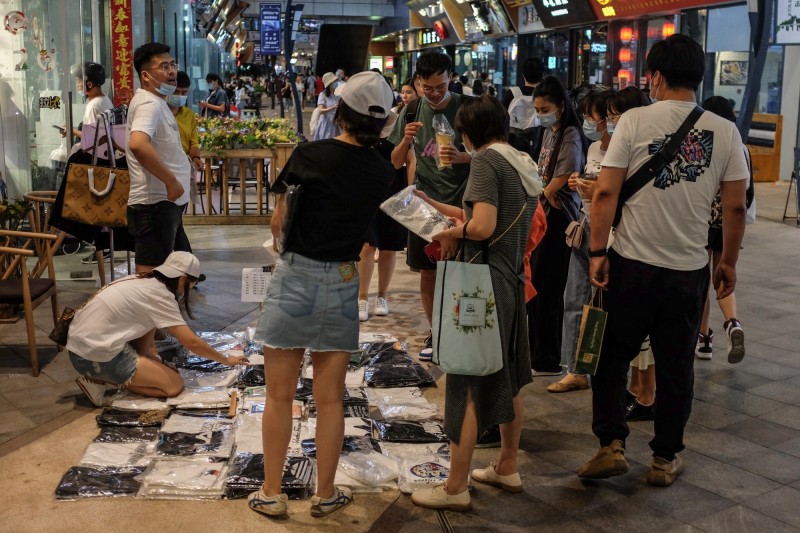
x,y
150,114
665,223
120,313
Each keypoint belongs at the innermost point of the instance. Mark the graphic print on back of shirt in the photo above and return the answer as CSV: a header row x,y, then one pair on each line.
x,y
693,157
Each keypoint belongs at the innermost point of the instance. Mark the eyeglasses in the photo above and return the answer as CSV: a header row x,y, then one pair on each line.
x,y
165,67
427,89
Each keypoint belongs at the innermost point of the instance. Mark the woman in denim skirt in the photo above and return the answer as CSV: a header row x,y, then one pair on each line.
x,y
311,302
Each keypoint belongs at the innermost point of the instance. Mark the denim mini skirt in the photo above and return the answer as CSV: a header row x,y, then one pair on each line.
x,y
310,304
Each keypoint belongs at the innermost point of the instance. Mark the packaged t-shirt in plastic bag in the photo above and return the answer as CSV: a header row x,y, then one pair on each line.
x,y
349,444
135,402
407,403
127,434
410,431
422,471
94,482
369,467
404,450
417,215
198,378
252,376
397,375
184,478
118,454
187,436
122,417
201,398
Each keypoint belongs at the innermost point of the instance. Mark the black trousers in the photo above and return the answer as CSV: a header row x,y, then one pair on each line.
x,y
666,304
549,271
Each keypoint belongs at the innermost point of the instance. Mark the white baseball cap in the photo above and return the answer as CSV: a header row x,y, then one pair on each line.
x,y
367,93
180,263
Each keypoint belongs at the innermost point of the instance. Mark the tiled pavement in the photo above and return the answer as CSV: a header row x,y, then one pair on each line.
x,y
743,440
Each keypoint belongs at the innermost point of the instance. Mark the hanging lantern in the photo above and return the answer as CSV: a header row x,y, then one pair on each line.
x,y
626,34
625,55
667,29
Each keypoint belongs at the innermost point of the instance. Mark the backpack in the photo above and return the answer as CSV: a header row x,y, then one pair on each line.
x,y
314,123
521,113
525,134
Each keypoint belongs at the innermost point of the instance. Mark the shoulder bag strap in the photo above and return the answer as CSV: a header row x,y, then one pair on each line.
x,y
653,167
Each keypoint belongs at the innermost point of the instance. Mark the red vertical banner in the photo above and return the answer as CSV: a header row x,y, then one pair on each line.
x,y
121,50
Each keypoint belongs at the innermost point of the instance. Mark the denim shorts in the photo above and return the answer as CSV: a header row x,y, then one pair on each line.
x,y
153,228
119,371
310,304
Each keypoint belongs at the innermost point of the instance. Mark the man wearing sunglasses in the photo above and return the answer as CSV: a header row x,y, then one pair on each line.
x,y
159,169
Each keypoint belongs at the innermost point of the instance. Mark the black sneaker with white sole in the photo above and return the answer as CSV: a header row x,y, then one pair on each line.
x,y
735,341
426,354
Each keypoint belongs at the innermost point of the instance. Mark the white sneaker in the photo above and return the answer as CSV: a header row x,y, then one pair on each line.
x,y
363,310
437,498
96,392
489,476
268,505
381,307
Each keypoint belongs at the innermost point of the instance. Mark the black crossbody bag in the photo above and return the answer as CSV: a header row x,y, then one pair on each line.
x,y
656,163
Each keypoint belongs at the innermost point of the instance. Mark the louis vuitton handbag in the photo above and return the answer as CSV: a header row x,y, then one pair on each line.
x,y
97,193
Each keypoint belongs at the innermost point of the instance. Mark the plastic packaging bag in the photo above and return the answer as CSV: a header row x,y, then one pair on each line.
x,y
362,443
370,468
410,431
186,435
422,471
406,403
201,398
444,137
134,402
119,417
397,375
91,482
246,474
184,478
118,454
127,434
197,378
417,215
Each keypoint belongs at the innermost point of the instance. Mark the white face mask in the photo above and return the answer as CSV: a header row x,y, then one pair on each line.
x,y
442,99
654,97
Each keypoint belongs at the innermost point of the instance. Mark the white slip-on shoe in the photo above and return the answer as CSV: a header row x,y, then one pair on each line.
x,y
363,310
489,476
437,498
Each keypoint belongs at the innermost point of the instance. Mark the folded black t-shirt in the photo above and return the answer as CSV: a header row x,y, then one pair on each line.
x,y
343,185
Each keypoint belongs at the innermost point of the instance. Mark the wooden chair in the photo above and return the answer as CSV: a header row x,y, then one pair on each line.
x,y
21,285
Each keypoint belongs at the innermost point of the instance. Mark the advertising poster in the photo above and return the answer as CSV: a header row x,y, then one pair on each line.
x,y
270,29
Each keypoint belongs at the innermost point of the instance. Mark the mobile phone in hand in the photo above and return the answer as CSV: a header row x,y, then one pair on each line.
x,y
59,128
434,251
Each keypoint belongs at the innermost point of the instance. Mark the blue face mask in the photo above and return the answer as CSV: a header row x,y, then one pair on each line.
x,y
176,101
547,119
163,89
610,128
590,130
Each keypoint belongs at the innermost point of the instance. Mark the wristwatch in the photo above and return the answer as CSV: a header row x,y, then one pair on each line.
x,y
598,253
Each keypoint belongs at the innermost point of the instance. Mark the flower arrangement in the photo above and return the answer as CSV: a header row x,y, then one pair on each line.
x,y
13,212
226,133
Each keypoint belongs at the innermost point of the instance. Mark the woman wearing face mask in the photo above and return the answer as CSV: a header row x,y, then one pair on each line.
x,y
498,206
578,288
217,103
563,152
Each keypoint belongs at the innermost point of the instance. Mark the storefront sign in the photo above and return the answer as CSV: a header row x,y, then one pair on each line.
x,y
788,20
610,9
376,62
122,50
560,13
388,63
50,102
270,29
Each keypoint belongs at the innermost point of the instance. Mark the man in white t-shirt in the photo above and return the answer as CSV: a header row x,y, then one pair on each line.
x,y
159,168
89,80
656,274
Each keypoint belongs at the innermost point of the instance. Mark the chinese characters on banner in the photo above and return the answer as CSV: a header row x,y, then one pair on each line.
x,y
121,53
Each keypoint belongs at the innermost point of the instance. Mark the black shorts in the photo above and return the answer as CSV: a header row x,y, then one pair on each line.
x,y
385,233
153,228
415,254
